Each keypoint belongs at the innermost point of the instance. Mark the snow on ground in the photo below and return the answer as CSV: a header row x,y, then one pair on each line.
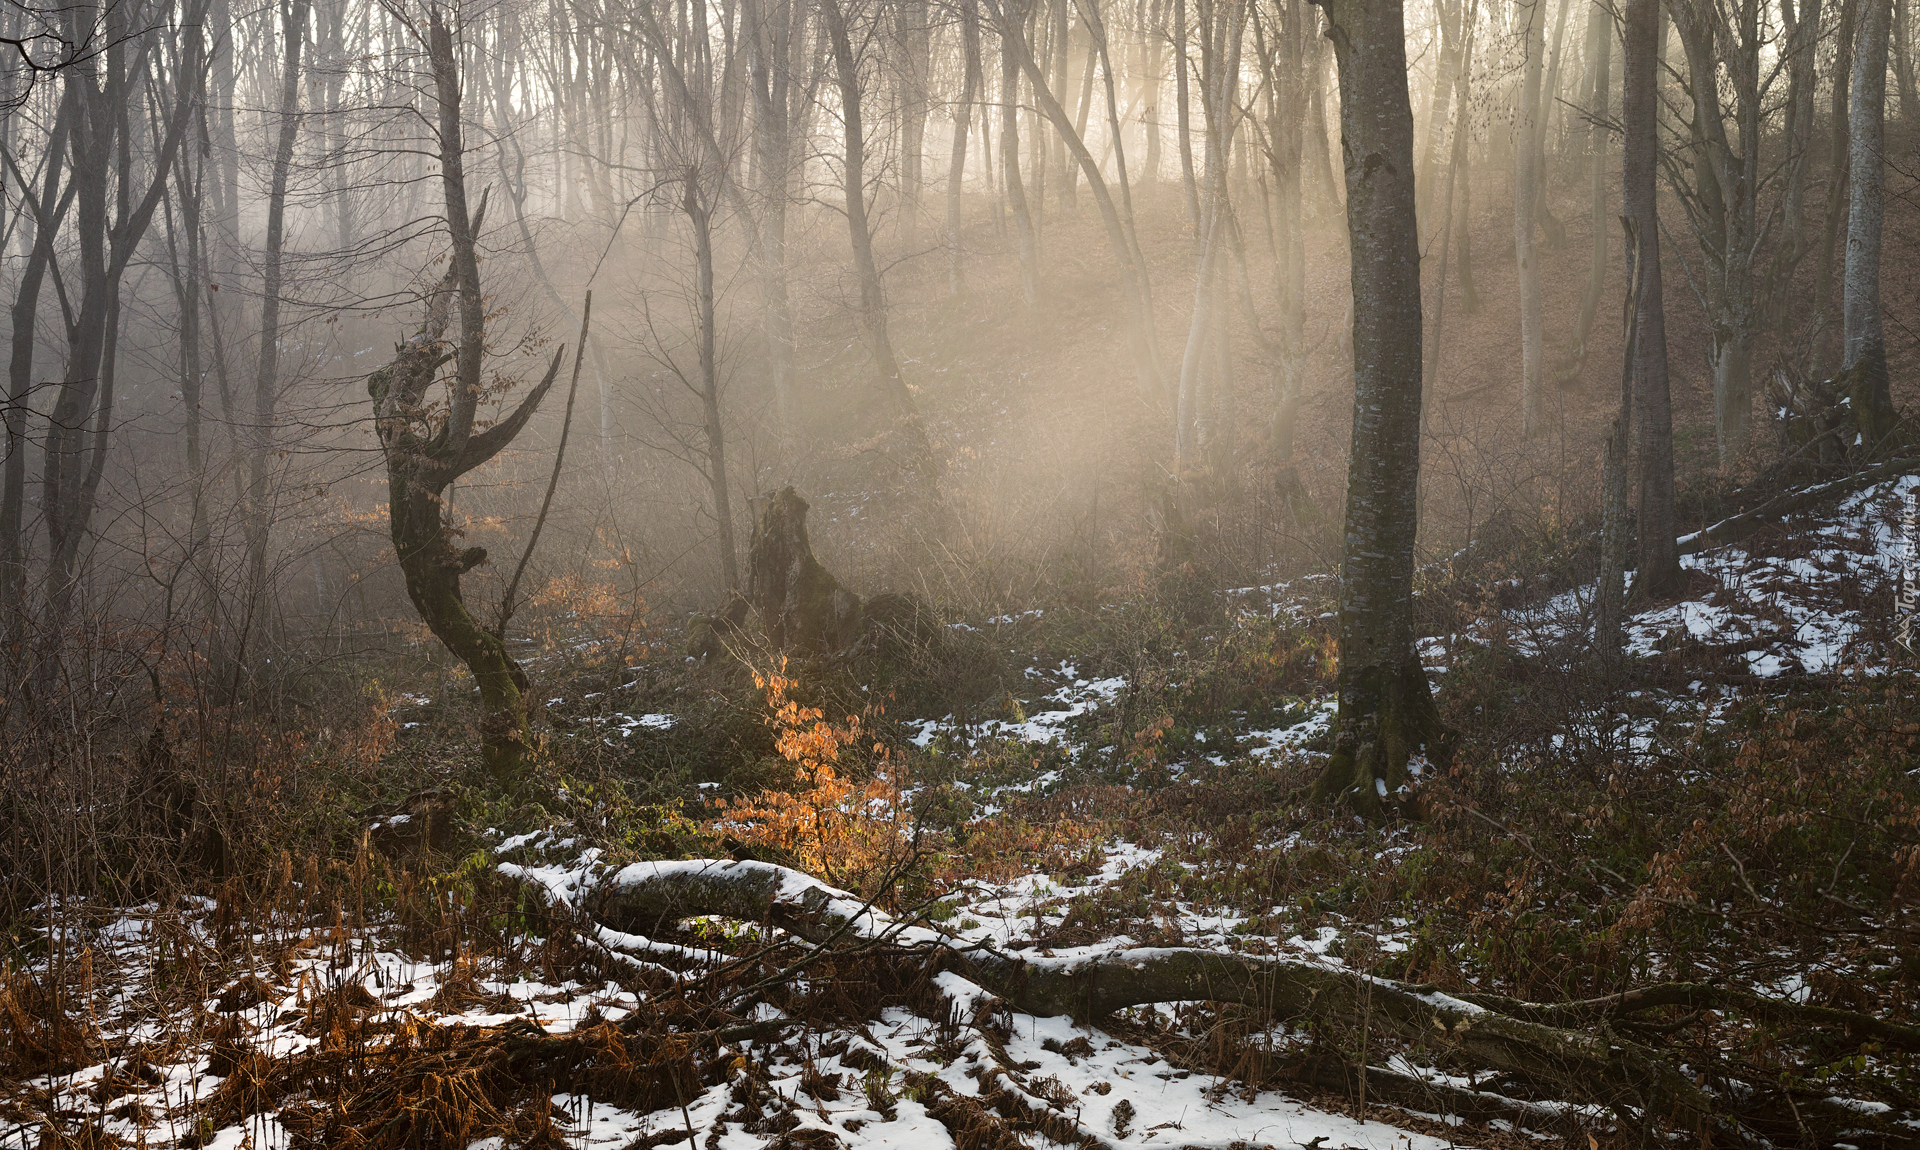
x,y
1770,615
1077,697
1124,1093
1775,614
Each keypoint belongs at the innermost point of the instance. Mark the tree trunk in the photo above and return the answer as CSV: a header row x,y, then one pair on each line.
x,y
1599,63
1430,378
1581,1050
1526,177
957,166
700,216
1803,37
1119,228
801,604
1197,428
1445,72
915,43
772,30
853,172
102,158
1287,83
1070,178
1463,154
1838,125
1152,84
1010,159
426,452
1865,342
1659,563
266,382
1326,192
48,212
1901,56
1610,609
1386,714
1183,119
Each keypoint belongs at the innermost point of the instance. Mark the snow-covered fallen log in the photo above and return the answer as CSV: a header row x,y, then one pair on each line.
x,y
1582,1052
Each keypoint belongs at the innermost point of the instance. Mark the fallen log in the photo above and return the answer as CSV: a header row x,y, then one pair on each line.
x,y
1574,1047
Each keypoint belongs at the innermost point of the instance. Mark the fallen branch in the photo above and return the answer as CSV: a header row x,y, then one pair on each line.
x,y
1737,527
1570,1047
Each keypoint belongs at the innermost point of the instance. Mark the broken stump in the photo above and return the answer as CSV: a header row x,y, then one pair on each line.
x,y
802,605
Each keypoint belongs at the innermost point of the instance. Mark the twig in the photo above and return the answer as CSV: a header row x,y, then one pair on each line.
x,y
553,481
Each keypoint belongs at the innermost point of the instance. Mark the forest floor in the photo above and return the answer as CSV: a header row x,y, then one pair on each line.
x,y
1741,810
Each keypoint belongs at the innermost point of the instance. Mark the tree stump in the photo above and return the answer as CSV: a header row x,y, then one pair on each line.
x,y
803,606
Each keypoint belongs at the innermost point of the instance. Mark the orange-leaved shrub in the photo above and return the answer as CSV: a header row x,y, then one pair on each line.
x,y
846,820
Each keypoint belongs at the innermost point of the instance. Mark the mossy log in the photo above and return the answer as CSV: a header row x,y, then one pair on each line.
x,y
1579,1052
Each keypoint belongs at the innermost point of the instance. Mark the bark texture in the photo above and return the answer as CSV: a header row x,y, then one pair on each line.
x,y
1526,195
426,449
1386,712
1658,572
1865,340
1582,1048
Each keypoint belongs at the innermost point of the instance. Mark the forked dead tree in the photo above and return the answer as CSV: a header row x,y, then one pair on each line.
x,y
427,448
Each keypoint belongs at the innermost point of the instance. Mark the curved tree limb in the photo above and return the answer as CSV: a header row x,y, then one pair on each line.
x,y
1572,1046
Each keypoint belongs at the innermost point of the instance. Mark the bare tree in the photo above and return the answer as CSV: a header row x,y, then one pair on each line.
x,y
1526,195
962,117
1866,342
104,172
266,381
853,180
426,448
1386,715
1658,572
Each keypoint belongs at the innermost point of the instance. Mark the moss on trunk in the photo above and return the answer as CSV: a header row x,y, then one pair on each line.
x,y
427,447
1387,716
433,568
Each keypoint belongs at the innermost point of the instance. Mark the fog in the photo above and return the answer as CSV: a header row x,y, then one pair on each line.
x,y
1028,302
